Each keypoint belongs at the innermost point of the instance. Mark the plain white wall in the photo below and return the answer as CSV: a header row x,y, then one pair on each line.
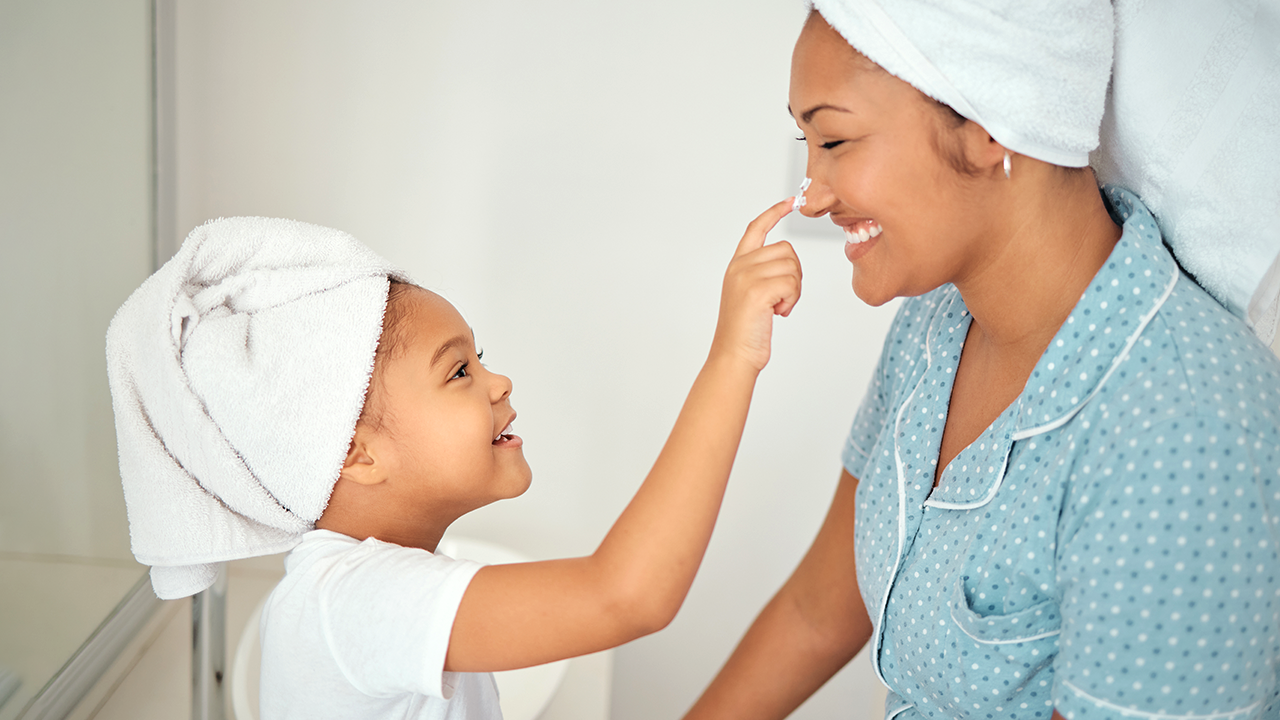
x,y
75,226
573,175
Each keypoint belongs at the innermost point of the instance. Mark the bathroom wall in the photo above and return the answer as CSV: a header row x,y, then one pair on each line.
x,y
574,175
75,231
75,227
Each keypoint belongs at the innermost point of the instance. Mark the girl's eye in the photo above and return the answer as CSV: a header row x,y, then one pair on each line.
x,y
462,372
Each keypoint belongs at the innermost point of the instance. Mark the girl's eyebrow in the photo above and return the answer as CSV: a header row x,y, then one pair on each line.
x,y
451,343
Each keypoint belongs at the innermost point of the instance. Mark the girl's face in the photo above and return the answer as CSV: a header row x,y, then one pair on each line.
x,y
871,143
445,419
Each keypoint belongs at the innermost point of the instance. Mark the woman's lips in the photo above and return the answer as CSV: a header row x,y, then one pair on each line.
x,y
861,231
860,237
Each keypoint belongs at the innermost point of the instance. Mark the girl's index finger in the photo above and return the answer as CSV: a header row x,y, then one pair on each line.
x,y
753,239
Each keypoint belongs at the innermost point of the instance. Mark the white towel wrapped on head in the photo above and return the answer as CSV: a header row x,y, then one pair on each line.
x,y
1032,73
238,371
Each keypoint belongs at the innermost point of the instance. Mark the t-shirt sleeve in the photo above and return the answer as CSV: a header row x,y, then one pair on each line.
x,y
387,614
1168,570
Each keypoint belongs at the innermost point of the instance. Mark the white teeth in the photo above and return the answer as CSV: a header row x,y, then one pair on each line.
x,y
505,431
863,234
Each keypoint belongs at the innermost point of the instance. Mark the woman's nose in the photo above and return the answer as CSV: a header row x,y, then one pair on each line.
x,y
818,198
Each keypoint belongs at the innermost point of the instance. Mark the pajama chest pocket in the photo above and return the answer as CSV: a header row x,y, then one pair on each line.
x,y
1036,622
999,662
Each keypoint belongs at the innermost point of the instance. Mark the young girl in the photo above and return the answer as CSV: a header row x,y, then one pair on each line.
x,y
271,379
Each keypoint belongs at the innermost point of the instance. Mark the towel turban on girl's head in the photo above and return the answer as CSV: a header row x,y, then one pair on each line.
x,y
1192,121
238,372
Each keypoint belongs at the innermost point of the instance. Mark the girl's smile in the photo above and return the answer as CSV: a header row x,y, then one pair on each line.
x,y
446,435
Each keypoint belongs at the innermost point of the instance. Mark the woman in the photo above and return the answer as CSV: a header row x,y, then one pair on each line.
x,y
1059,494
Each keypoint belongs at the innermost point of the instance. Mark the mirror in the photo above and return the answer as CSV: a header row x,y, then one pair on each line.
x,y
76,223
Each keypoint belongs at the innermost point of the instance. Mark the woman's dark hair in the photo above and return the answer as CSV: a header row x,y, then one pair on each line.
x,y
944,140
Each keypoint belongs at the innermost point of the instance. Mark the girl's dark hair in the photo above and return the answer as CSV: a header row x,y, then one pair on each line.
x,y
391,344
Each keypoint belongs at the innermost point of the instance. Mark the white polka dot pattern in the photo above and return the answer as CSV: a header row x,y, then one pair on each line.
x,y
1108,547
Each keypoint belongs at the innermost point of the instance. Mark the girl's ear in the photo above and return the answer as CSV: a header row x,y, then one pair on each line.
x,y
362,465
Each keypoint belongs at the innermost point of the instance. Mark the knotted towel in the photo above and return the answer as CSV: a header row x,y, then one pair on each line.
x,y
238,371
1032,73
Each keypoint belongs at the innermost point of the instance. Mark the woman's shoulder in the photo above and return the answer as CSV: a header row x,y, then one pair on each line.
x,y
1196,360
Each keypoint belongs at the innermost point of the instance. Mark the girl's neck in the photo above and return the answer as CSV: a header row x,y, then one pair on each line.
x,y
363,512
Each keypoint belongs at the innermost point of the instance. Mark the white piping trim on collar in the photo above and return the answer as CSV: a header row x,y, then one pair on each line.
x,y
1004,465
878,628
1121,357
899,711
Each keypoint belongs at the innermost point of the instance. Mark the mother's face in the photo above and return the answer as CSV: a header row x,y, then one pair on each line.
x,y
871,142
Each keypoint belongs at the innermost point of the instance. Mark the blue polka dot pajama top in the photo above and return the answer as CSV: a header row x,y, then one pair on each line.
x,y
1108,546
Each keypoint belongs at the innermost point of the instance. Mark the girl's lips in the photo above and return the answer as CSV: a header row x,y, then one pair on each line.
x,y
507,438
508,441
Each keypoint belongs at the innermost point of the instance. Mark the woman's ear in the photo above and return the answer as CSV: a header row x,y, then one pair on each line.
x,y
363,464
981,149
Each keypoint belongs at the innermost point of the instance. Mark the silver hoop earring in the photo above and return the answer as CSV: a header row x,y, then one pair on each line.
x,y
1008,165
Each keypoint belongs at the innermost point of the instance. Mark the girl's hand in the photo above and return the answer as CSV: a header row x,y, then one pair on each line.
x,y
762,281
633,584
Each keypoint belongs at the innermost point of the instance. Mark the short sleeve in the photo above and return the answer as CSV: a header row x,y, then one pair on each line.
x,y
1168,567
387,614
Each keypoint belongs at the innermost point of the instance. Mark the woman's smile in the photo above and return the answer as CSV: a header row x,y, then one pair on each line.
x,y
856,249
860,235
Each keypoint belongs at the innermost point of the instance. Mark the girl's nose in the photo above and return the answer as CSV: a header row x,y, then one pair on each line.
x,y
499,387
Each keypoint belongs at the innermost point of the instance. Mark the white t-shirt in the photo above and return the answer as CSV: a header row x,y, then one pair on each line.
x,y
360,630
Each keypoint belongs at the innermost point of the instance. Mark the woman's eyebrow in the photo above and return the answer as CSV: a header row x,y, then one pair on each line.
x,y
807,115
447,345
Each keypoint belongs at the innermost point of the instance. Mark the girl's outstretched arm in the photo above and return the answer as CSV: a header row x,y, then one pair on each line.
x,y
530,613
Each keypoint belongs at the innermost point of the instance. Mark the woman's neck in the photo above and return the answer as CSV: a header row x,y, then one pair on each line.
x,y
1053,236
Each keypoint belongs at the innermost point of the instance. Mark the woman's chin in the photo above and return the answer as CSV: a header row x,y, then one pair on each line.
x,y
868,292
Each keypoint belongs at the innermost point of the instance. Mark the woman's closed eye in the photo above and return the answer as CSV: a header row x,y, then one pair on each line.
x,y
825,145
